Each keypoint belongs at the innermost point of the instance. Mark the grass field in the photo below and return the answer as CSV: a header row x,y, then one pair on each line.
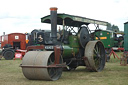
x,y
113,74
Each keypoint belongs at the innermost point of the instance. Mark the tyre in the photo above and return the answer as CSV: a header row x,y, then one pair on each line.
x,y
9,54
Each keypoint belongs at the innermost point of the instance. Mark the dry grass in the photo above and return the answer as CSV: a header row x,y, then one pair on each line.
x,y
113,74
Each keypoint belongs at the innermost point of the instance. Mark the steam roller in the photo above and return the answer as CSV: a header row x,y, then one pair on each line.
x,y
62,49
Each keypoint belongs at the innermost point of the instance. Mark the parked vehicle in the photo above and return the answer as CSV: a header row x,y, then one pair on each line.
x,y
11,42
109,39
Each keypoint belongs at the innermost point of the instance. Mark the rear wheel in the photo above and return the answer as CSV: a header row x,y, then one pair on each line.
x,y
95,56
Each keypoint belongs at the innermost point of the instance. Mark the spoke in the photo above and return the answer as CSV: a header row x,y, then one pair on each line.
x,y
95,51
100,51
97,62
100,54
54,72
97,48
51,62
97,58
51,72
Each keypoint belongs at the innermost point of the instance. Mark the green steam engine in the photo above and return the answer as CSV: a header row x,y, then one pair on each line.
x,y
68,48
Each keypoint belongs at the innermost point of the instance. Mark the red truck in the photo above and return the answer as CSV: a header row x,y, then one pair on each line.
x,y
11,42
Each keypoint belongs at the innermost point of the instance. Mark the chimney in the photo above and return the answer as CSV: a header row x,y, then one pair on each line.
x,y
53,11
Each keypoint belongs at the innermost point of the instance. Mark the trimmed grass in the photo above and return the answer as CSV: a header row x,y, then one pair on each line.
x,y
113,74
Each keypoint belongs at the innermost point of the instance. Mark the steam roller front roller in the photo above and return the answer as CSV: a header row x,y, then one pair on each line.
x,y
94,56
35,66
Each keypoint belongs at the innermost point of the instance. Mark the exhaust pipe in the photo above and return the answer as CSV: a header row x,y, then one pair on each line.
x,y
53,11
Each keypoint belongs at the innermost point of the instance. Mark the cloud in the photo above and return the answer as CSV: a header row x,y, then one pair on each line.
x,y
24,15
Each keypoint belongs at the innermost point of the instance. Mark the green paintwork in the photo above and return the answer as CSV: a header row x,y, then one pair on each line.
x,y
106,37
69,51
73,41
72,48
126,36
71,20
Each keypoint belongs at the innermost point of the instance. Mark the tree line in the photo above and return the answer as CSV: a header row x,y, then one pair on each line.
x,y
112,27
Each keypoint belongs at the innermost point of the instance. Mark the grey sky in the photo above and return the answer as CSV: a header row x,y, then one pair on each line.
x,y
24,15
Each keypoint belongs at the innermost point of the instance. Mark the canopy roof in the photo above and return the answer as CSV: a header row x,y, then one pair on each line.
x,y
71,20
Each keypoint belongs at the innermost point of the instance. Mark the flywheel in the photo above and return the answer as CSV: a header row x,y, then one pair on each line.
x,y
83,36
94,56
35,66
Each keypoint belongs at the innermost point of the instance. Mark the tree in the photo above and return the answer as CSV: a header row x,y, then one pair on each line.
x,y
109,26
115,28
112,27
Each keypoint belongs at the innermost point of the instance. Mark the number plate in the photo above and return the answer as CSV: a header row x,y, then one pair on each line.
x,y
48,47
